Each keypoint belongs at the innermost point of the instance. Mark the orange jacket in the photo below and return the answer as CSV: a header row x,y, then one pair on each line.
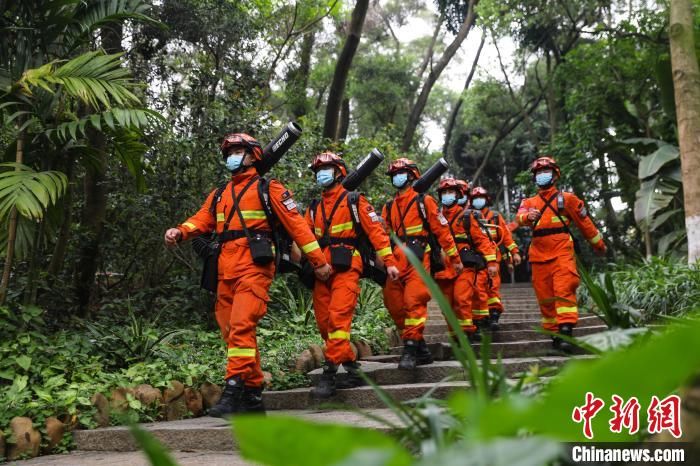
x,y
482,243
549,238
342,226
498,234
234,254
413,224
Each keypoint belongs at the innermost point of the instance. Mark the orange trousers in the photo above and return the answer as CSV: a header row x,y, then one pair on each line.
x,y
240,304
480,296
555,282
458,292
334,307
494,293
407,301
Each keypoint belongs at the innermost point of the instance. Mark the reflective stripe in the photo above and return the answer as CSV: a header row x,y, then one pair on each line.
x,y
341,227
220,217
461,235
512,246
312,246
480,312
355,253
384,251
521,217
549,320
493,300
241,352
190,226
452,251
413,322
490,258
318,231
339,335
414,229
253,214
465,322
493,231
564,310
556,219
427,248
595,239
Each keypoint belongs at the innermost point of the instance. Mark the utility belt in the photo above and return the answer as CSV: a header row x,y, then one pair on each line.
x,y
416,243
325,242
549,231
231,235
259,242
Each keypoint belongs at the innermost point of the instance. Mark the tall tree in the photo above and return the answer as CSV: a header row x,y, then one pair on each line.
x,y
435,72
342,69
686,84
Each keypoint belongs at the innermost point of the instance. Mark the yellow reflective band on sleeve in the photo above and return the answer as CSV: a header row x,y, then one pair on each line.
x,y
253,214
241,352
520,218
465,322
596,239
556,219
339,335
480,312
312,246
414,229
427,248
490,258
549,320
414,322
318,231
512,246
461,235
355,253
564,310
220,217
190,226
341,227
493,300
452,251
384,251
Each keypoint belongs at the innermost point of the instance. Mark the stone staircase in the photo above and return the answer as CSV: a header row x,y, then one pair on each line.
x,y
518,344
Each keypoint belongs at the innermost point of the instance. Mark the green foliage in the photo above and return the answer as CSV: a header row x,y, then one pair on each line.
x,y
28,191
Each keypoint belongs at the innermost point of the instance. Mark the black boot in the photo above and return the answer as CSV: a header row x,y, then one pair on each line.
x,y
231,401
495,314
567,330
352,377
482,325
408,357
423,355
252,400
326,385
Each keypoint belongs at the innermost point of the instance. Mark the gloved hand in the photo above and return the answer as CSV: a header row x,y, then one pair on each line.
x,y
172,236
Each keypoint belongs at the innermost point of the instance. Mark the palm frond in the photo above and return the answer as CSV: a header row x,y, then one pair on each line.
x,y
28,191
136,119
92,15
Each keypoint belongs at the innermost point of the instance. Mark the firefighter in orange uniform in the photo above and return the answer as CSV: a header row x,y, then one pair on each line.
x,y
246,264
410,215
500,234
335,219
551,253
459,289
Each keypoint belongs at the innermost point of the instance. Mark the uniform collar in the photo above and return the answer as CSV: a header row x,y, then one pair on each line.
x,y
333,191
244,176
547,192
409,193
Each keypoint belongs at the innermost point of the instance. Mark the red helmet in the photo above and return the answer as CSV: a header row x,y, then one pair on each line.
x,y
450,183
329,158
403,164
464,186
544,162
249,143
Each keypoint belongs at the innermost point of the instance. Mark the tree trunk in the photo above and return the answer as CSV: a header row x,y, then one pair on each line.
x,y
344,120
605,193
427,58
455,109
342,69
419,106
12,230
298,78
59,250
686,85
95,191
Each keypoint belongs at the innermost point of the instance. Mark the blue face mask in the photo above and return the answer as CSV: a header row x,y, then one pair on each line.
x,y
479,203
462,200
448,199
544,178
325,177
399,180
233,162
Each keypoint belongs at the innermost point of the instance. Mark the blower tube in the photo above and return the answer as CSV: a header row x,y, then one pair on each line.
x,y
430,176
274,151
363,170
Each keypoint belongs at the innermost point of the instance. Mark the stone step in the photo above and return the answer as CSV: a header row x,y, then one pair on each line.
x,y
509,317
382,369
511,349
437,324
208,433
515,335
359,397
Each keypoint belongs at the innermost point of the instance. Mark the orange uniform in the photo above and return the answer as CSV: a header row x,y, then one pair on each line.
x,y
501,235
461,291
551,253
335,299
243,285
407,299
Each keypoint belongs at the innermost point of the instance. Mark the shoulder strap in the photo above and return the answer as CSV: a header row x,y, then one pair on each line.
x,y
548,205
402,215
389,203
327,220
353,202
313,207
560,201
217,197
235,208
264,195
